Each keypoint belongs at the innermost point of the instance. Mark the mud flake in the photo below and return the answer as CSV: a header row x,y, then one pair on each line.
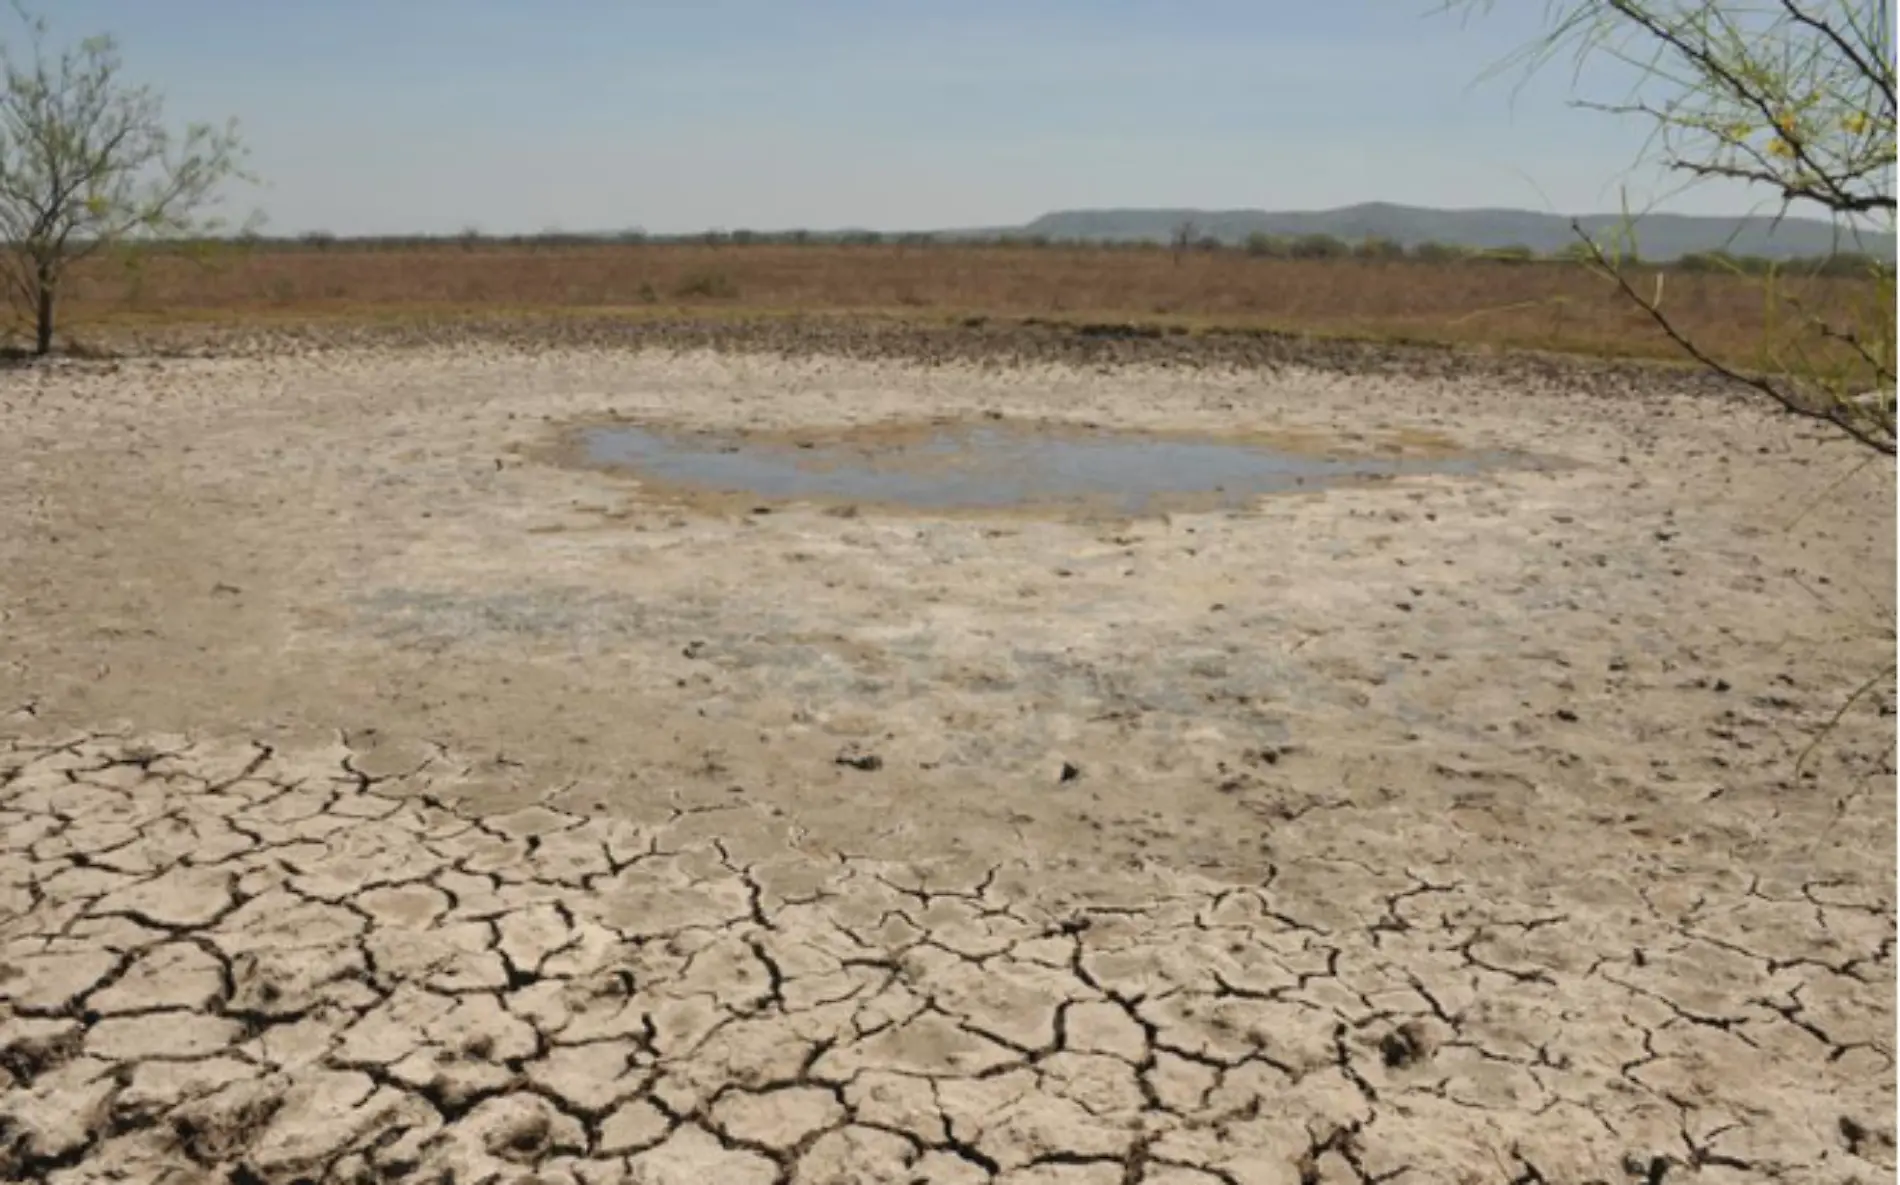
x,y
404,907
1179,1084
54,1120
478,1026
645,904
346,864
391,1030
900,1102
1017,1002
1102,1085
286,983
1179,1175
179,898
521,1129
633,1126
928,1044
777,1119
942,1168
171,975
160,1034
91,838
49,982
1064,1174
856,1156
692,1156
156,1087
325,1113
591,1078
681,1024
1037,1126
280,921
450,958
72,883
531,935
570,858
30,1046
1095,1027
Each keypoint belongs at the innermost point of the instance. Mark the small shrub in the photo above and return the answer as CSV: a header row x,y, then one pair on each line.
x,y
1513,254
1429,252
708,286
1574,253
1842,263
1319,247
1375,247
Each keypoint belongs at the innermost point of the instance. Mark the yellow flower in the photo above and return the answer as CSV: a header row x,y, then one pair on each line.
x,y
1855,123
1780,147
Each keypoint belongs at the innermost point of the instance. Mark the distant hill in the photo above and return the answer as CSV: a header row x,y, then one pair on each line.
x,y
1659,236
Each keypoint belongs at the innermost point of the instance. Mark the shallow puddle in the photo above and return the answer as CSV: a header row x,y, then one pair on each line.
x,y
993,467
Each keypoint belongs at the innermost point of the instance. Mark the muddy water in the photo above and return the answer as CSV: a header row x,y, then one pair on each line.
x,y
980,467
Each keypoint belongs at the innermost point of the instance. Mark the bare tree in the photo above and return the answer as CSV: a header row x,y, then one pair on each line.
x,y
88,164
1796,99
1185,234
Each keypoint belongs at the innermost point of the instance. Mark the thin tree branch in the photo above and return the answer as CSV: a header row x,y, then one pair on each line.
x,y
1831,415
1886,674
1883,78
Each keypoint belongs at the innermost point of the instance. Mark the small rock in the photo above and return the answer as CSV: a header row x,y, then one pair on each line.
x,y
856,758
1070,772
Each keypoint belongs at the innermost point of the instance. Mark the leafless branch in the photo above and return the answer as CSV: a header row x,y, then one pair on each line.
x,y
1832,414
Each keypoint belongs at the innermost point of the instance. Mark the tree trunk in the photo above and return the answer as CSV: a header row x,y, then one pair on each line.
x,y
43,315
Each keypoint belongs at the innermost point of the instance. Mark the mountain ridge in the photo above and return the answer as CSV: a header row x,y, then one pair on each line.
x,y
1658,236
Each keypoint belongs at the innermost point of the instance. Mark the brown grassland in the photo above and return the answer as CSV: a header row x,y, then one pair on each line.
x,y
1541,305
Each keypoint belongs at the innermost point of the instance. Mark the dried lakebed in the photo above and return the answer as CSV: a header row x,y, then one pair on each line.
x,y
382,802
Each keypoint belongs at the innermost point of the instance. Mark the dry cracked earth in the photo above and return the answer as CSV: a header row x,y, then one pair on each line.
x,y
378,803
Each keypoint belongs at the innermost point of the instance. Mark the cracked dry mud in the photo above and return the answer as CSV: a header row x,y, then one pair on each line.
x,y
377,804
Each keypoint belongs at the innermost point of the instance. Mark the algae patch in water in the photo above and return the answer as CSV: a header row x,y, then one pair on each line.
x,y
993,467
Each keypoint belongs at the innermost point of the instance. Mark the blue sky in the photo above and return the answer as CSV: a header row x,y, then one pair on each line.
x,y
434,115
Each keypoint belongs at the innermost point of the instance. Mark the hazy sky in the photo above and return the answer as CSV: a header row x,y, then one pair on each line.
x,y
434,115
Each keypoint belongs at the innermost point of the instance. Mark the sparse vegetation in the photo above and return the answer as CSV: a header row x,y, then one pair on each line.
x,y
1447,297
707,286
1184,236
88,163
1796,101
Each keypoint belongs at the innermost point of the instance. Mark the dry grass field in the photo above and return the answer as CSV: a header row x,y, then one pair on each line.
x,y
1546,306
